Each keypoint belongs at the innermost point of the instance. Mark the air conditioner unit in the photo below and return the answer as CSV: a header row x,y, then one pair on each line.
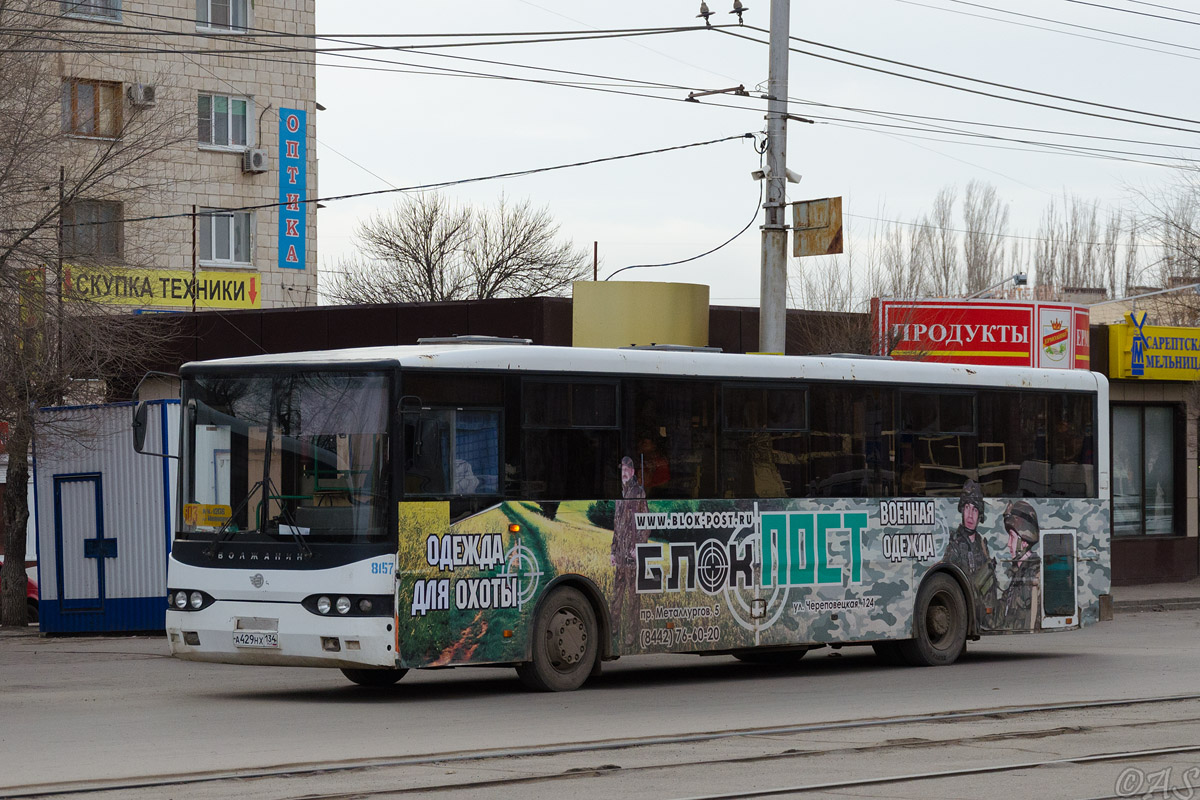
x,y
141,94
254,161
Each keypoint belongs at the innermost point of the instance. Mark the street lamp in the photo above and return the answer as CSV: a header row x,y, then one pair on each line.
x,y
1018,279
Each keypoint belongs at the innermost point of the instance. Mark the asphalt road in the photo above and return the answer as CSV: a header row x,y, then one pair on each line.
x,y
86,709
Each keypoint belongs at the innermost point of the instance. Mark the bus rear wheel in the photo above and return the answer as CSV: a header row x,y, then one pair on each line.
x,y
939,624
374,677
565,645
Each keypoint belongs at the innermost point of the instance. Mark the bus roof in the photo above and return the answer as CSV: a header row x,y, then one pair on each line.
x,y
663,363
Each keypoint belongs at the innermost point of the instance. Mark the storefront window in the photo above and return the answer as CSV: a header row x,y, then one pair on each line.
x,y
1143,470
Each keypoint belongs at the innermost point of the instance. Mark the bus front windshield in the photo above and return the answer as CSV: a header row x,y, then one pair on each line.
x,y
300,457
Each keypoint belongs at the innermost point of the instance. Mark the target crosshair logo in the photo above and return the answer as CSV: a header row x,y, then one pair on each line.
x,y
521,567
712,566
755,613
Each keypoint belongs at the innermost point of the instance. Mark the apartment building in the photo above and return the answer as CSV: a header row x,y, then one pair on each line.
x,y
216,218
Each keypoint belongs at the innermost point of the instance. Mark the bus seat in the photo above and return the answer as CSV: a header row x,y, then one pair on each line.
x,y
1034,479
1071,480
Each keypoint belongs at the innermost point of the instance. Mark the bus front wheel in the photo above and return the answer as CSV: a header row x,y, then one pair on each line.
x,y
565,643
374,677
939,624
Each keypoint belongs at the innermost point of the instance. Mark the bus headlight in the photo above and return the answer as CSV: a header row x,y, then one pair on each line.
x,y
181,600
348,605
196,600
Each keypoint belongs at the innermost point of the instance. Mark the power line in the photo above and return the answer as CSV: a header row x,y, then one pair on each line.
x,y
636,44
855,126
980,92
895,114
612,89
1065,148
633,83
428,186
266,32
1084,27
333,50
1048,30
1077,150
120,29
1054,147
994,84
248,54
757,208
933,227
1167,8
1139,13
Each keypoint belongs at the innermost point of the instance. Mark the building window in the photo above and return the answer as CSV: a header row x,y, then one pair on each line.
x,y
109,9
222,120
223,14
224,236
1143,470
92,229
91,108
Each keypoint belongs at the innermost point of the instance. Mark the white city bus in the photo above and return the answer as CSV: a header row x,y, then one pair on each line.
x,y
474,502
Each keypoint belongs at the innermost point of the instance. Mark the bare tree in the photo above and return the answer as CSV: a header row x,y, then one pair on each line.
x,y
828,286
1118,270
986,220
1047,253
1174,227
51,337
944,273
426,249
904,248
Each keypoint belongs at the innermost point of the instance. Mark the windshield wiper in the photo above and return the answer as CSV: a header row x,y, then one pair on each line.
x,y
227,529
285,516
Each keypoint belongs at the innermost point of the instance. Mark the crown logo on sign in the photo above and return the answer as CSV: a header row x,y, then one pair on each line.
x,y
1056,324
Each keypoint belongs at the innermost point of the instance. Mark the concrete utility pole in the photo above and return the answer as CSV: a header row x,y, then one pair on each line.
x,y
772,325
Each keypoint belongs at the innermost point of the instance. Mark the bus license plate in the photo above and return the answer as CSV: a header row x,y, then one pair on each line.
x,y
255,639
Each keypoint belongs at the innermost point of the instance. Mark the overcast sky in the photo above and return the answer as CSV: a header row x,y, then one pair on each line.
x,y
417,123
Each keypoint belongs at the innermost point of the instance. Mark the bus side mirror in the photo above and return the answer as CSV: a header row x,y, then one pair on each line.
x,y
140,411
142,420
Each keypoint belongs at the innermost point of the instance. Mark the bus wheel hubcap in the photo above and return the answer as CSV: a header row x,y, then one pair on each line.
x,y
939,621
568,639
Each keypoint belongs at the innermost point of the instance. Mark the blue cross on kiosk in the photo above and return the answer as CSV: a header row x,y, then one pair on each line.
x,y
99,547
1139,345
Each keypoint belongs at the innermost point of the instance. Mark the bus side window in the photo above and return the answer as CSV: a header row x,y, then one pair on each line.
x,y
765,449
671,436
938,447
569,439
476,452
452,451
427,452
851,441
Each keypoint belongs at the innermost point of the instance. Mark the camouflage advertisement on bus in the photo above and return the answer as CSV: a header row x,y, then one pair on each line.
x,y
718,575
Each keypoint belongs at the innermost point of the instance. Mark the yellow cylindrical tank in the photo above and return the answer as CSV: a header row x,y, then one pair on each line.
x,y
623,313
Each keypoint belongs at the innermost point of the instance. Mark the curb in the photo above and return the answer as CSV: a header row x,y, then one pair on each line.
x,y
1173,604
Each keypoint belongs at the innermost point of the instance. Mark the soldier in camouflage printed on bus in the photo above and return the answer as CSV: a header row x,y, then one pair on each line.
x,y
968,549
626,538
1018,609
